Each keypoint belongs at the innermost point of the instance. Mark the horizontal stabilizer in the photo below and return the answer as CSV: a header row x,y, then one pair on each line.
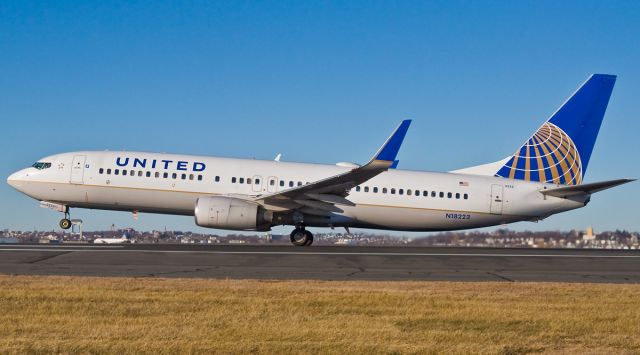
x,y
584,189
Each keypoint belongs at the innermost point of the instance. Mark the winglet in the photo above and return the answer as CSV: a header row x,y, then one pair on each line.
x,y
390,148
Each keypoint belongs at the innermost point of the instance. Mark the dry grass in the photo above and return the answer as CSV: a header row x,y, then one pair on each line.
x,y
41,314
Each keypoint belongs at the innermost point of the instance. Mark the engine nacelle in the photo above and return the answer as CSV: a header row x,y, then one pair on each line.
x,y
231,213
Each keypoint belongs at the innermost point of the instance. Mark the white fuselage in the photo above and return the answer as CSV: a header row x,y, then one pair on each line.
x,y
111,240
394,200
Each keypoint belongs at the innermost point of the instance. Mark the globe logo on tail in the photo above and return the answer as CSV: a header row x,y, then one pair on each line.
x,y
550,156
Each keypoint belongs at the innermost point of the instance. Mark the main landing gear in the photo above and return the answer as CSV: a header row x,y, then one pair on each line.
x,y
65,223
301,237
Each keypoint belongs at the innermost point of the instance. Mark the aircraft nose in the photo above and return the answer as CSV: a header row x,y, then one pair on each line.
x,y
14,180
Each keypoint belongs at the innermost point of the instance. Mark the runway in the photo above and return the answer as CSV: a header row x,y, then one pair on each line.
x,y
323,263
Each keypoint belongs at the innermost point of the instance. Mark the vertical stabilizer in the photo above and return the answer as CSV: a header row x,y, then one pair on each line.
x,y
559,151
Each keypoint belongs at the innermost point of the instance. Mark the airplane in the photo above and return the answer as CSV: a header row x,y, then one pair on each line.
x,y
121,240
543,177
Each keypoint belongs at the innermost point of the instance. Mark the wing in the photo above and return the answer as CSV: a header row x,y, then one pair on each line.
x,y
584,189
322,196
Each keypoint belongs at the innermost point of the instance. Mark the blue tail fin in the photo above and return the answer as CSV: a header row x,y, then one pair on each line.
x,y
560,149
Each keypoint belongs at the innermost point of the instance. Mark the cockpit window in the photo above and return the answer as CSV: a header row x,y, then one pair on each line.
x,y
41,165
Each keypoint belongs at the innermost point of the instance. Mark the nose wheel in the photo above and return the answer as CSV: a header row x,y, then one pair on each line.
x,y
65,223
301,237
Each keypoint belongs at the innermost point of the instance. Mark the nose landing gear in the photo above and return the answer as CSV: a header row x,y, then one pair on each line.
x,y
301,237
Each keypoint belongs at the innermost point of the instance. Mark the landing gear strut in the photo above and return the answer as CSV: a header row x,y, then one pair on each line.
x,y
65,223
301,237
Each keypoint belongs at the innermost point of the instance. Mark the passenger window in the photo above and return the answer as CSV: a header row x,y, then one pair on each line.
x,y
357,188
165,175
433,194
425,193
400,191
465,196
101,171
116,172
299,183
199,177
375,190
272,182
248,180
393,191
366,189
184,176
124,172
108,171
157,175
132,173
384,190
290,183
408,192
457,195
282,183
190,176
257,181
148,174
441,194
417,193
174,175
233,180
140,173
449,194
217,179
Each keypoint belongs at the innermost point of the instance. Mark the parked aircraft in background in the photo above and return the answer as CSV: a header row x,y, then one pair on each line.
x,y
543,177
121,240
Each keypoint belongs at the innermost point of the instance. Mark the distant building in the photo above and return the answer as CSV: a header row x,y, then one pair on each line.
x,y
589,235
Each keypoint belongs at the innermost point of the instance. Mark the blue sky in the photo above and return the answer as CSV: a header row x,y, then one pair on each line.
x,y
315,81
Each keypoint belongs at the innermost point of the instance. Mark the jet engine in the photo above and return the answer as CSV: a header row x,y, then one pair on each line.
x,y
231,213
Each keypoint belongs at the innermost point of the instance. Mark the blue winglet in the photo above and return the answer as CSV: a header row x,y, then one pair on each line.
x,y
390,148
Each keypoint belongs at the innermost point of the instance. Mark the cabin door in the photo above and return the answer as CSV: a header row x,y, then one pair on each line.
x,y
77,169
496,199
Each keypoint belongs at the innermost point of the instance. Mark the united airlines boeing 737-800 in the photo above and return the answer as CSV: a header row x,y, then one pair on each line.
x,y
543,177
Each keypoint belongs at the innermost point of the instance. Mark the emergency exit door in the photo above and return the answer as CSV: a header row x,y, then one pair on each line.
x,y
77,169
496,199
257,183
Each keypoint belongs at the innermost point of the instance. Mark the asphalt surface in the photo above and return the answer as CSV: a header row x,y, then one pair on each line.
x,y
323,263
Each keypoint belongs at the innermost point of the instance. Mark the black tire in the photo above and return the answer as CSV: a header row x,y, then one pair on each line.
x,y
300,237
65,223
309,238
